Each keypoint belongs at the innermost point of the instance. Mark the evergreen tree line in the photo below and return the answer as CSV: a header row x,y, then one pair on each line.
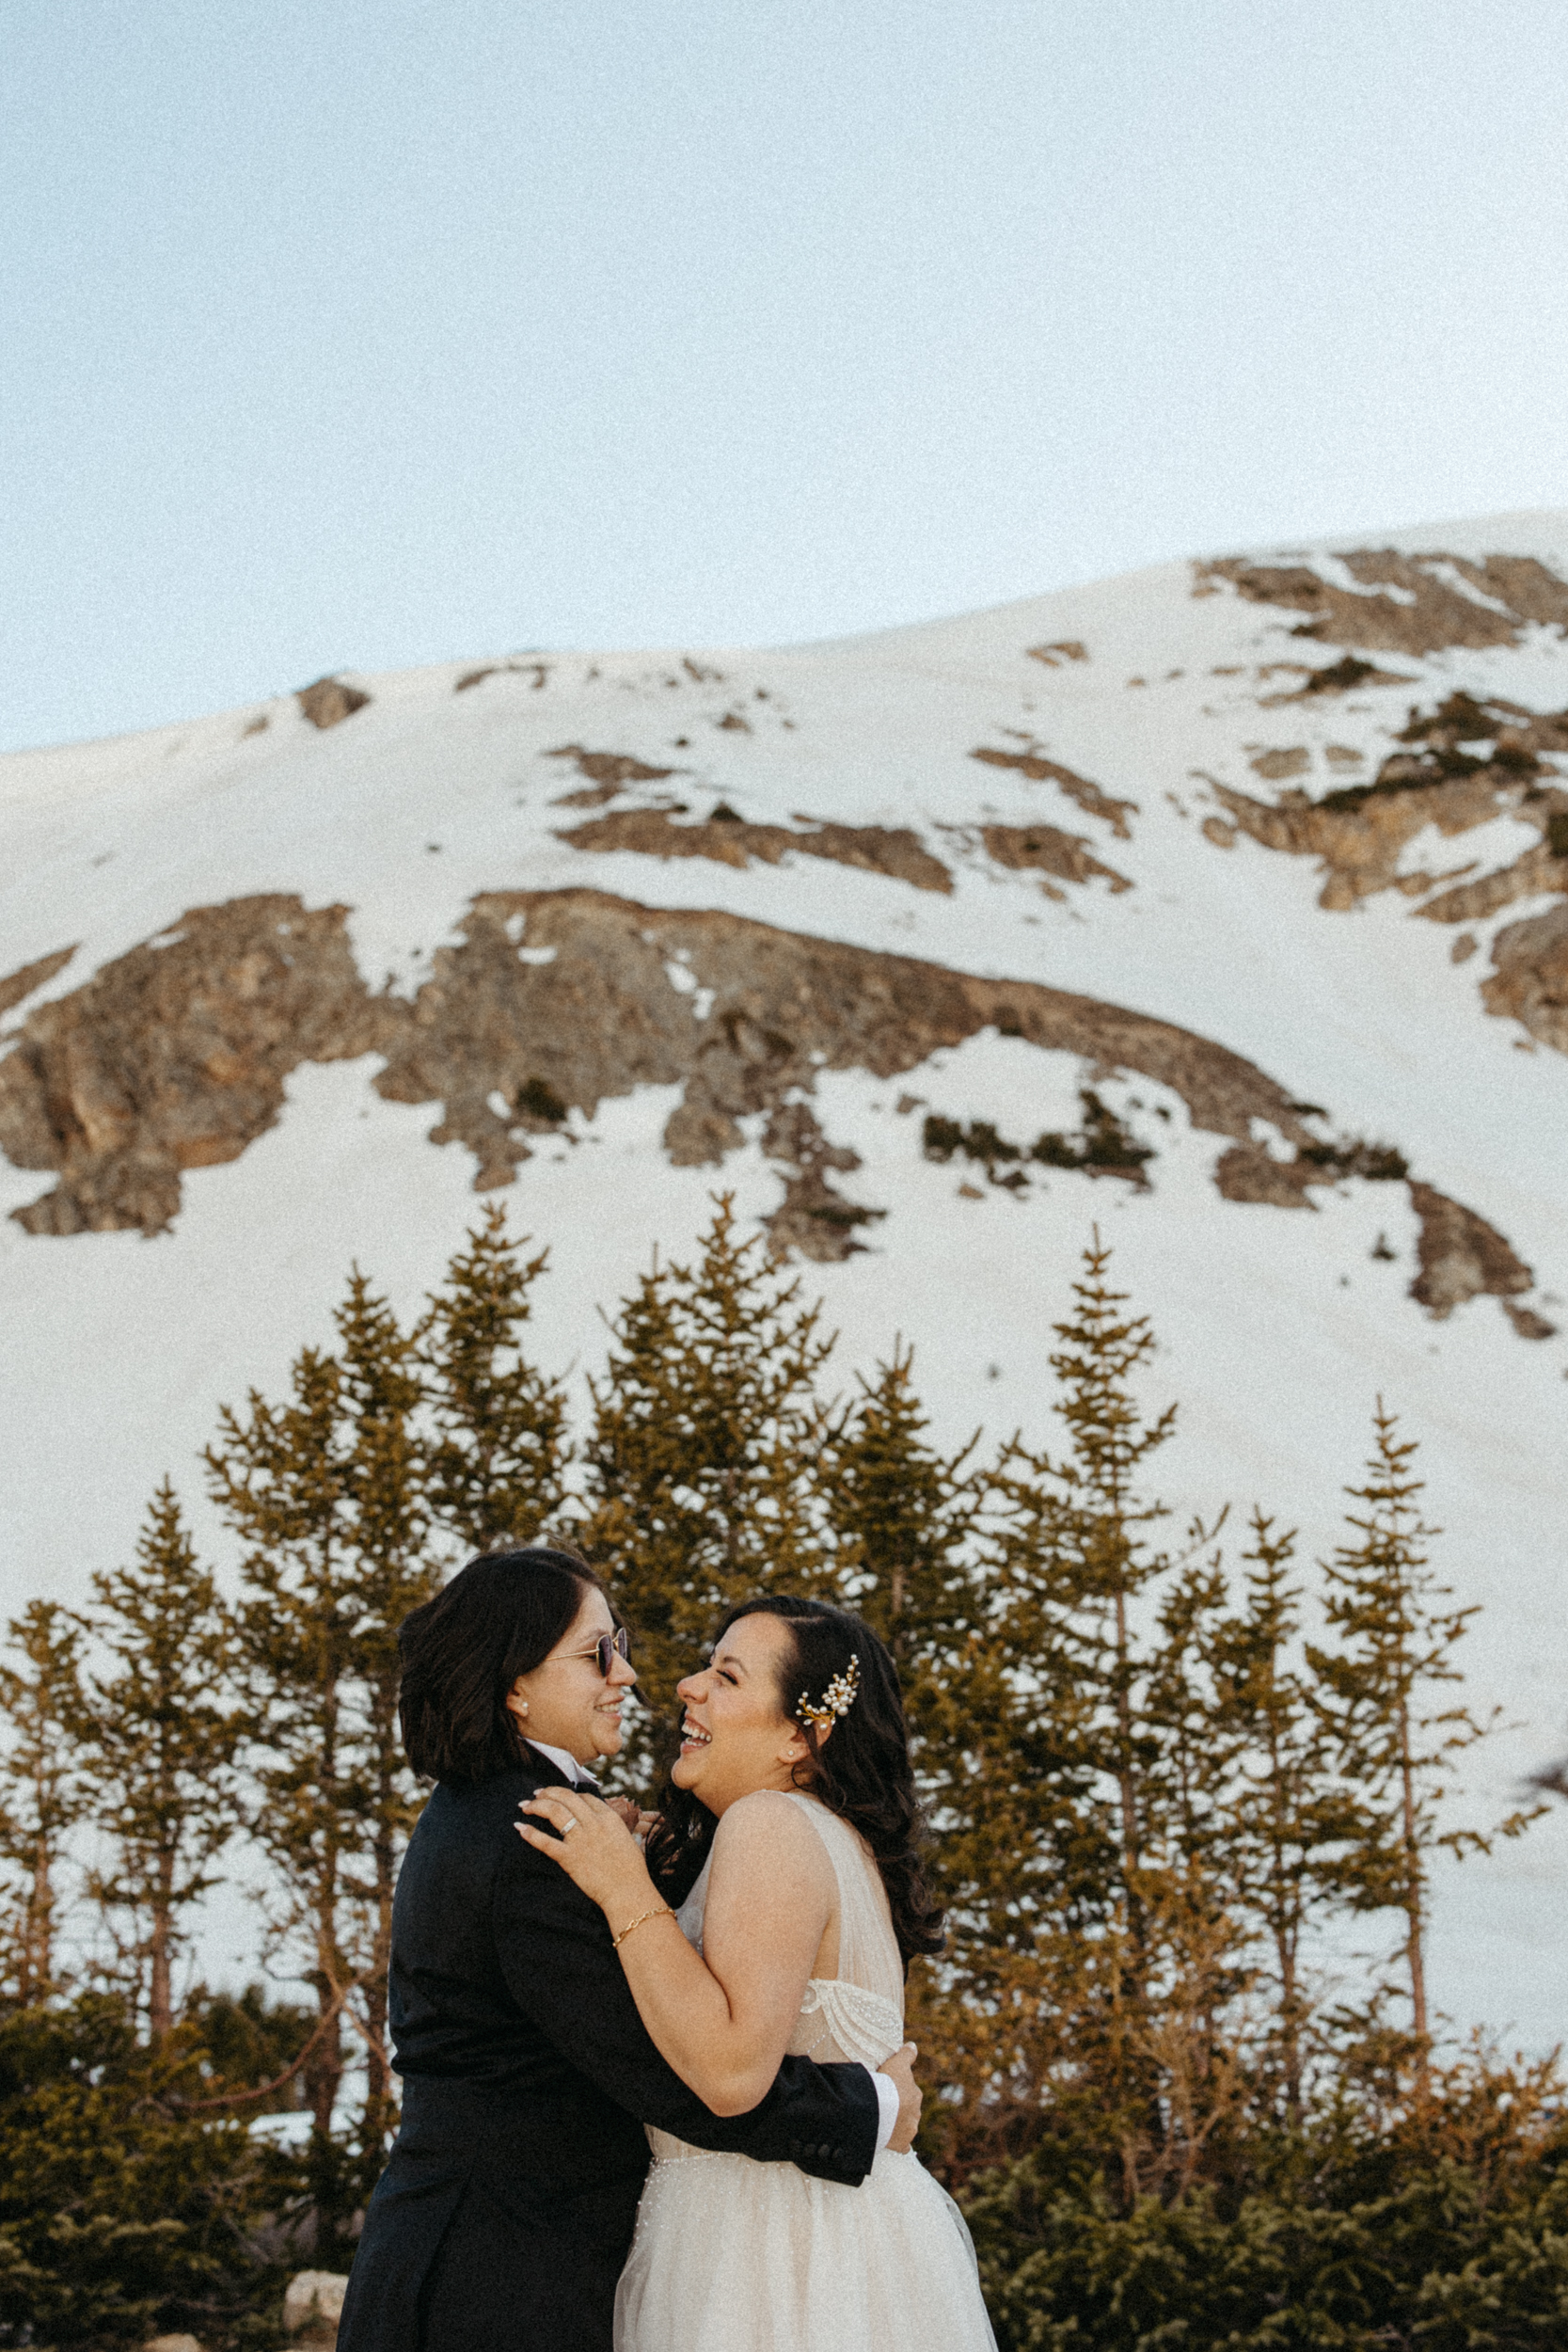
x,y
1160,1782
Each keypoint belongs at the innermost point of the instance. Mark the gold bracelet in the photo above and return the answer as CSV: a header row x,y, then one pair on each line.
x,y
661,1910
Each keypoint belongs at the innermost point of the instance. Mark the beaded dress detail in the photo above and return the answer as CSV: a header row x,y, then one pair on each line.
x,y
735,2256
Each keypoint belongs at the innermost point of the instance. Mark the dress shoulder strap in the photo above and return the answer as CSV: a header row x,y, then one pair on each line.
x,y
867,1948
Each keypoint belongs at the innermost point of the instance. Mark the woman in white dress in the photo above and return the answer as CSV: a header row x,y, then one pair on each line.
x,y
788,1828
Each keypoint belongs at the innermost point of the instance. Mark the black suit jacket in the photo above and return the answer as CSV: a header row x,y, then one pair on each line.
x,y
506,2211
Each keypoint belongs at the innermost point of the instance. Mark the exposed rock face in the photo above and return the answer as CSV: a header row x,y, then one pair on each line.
x,y
1360,846
813,1218
731,841
1065,855
1462,765
1086,795
608,773
1247,1172
1536,871
537,674
750,1017
21,984
174,1056
1531,981
1432,613
329,702
1275,767
1461,1256
1337,678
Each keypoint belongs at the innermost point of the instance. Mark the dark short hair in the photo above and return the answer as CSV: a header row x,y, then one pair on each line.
x,y
498,1618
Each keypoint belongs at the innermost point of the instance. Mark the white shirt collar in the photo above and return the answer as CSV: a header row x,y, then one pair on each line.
x,y
565,1764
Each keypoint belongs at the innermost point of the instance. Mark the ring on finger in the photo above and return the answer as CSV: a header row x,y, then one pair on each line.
x,y
568,1825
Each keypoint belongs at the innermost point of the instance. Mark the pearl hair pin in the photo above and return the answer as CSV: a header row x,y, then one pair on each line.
x,y
837,1699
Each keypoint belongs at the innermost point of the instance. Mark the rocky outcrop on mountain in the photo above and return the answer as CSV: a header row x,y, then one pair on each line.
x,y
608,773
729,840
614,994
1044,847
1248,1172
1537,872
330,701
1438,601
1531,981
536,673
174,1056
1359,846
813,1219
17,985
1461,1256
1459,766
1345,676
1101,1145
1089,797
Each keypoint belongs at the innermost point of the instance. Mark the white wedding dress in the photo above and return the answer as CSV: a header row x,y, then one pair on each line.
x,y
735,2256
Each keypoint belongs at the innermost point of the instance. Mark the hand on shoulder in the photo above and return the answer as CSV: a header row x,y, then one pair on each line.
x,y
590,1841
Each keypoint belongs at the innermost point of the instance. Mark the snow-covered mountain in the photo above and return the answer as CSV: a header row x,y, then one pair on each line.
x,y
1225,905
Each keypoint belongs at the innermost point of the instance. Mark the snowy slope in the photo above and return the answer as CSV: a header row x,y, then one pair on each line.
x,y
1279,1324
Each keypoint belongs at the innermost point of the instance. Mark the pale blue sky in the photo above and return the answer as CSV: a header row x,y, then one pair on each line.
x,y
368,332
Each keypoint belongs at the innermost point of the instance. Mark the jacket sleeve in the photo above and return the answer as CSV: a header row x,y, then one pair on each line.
x,y
555,1952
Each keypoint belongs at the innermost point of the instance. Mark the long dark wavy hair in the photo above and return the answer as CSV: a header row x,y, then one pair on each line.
x,y
863,1773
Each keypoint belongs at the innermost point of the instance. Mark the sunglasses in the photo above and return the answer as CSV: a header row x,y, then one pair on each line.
x,y
605,1651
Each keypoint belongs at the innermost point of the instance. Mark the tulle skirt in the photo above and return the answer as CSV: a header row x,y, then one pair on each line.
x,y
735,2256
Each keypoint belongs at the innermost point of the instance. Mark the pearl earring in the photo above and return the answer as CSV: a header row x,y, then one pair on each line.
x,y
523,1710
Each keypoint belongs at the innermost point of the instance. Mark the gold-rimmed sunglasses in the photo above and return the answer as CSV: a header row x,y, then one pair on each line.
x,y
605,1651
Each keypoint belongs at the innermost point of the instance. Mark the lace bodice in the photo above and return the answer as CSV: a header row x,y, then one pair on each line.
x,y
859,2013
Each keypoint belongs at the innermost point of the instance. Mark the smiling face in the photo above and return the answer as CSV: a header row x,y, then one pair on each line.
x,y
736,1734
566,1701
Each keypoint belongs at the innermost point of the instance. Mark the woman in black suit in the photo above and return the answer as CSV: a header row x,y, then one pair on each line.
x,y
505,2214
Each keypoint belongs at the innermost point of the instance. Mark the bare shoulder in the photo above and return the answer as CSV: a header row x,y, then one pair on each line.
x,y
769,1834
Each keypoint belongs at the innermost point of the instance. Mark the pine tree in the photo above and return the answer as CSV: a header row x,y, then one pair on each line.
x,y
497,1461
701,1486
384,1469
903,1517
276,1476
42,1791
326,1492
160,1755
1283,1809
1075,1557
1198,1749
1091,1953
1394,1747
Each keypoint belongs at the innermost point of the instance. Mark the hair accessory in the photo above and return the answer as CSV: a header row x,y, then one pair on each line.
x,y
837,1699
